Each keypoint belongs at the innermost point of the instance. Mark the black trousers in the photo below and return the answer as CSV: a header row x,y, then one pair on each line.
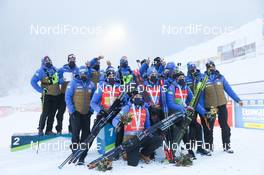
x,y
119,136
49,107
225,129
149,145
60,111
80,130
195,133
175,130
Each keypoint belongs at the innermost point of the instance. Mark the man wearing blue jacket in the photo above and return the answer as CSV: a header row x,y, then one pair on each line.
x,y
179,96
194,76
78,96
105,95
170,73
152,95
49,80
67,71
125,73
214,97
158,64
106,92
94,72
135,118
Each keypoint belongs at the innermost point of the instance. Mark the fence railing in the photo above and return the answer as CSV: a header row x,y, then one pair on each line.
x,y
249,83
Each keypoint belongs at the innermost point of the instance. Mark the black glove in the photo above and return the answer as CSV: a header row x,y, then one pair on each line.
x,y
102,113
45,90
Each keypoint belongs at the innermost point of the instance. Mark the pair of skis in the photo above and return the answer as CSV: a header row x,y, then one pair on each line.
x,y
158,127
112,112
138,139
166,148
190,114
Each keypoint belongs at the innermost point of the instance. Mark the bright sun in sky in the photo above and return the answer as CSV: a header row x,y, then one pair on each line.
x,y
115,34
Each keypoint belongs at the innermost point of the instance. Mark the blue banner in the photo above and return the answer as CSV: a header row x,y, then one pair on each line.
x,y
106,139
251,115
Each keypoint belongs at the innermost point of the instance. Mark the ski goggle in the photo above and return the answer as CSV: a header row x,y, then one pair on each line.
x,y
82,71
210,65
71,58
157,60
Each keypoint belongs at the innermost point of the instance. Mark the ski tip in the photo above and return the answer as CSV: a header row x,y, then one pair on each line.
x,y
60,167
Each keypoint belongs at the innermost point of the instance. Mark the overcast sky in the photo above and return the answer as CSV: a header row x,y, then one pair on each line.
x,y
116,27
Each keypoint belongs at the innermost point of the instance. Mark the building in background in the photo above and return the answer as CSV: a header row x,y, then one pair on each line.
x,y
239,56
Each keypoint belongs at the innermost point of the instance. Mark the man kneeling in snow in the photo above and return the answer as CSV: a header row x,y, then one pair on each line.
x,y
135,118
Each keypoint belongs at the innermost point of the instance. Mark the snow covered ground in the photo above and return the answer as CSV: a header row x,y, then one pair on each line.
x,y
247,143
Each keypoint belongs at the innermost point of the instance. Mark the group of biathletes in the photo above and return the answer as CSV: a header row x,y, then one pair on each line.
x,y
88,90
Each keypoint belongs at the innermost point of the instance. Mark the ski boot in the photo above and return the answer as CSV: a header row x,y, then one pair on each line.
x,y
69,129
191,155
58,130
80,161
203,152
40,132
229,150
50,133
